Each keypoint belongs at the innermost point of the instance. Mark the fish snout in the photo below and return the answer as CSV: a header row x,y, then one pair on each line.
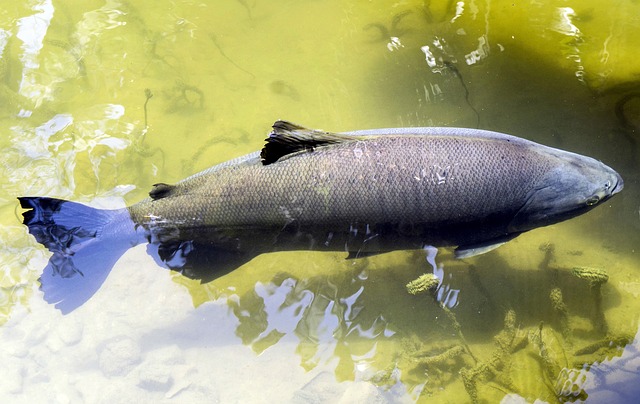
x,y
612,186
618,185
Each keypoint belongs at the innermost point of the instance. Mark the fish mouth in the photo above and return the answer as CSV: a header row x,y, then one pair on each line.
x,y
618,186
613,186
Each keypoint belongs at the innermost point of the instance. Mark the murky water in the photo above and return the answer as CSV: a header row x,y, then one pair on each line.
x,y
101,99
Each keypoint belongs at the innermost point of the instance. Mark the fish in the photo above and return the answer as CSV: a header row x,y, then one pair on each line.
x,y
363,192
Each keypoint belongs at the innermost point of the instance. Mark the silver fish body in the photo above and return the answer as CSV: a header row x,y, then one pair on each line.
x,y
384,190
363,192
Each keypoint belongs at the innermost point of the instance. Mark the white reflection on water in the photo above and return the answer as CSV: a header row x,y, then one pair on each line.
x,y
54,156
480,53
565,26
32,30
4,40
447,295
280,317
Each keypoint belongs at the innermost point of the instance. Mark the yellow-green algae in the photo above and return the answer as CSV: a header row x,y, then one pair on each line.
x,y
424,283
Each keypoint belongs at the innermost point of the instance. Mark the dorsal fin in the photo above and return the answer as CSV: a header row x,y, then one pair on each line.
x,y
287,138
161,190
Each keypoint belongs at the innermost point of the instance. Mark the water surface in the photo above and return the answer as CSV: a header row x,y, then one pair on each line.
x,y
101,99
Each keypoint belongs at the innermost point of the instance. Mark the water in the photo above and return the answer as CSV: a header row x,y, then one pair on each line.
x,y
100,100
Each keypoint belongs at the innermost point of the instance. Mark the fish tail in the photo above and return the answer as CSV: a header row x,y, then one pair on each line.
x,y
86,243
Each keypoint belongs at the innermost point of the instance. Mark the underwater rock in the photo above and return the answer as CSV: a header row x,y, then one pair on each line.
x,y
154,378
70,331
12,379
13,343
163,370
321,389
119,357
362,393
324,389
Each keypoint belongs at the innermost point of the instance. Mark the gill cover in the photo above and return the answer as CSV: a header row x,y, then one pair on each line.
x,y
566,191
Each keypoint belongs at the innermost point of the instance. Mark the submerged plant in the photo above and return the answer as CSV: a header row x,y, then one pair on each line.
x,y
612,342
424,283
596,278
440,364
429,283
498,368
563,314
549,363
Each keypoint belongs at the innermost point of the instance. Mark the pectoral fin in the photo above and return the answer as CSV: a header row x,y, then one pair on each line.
x,y
471,250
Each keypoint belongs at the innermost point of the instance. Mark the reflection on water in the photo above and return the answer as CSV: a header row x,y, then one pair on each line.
x,y
535,319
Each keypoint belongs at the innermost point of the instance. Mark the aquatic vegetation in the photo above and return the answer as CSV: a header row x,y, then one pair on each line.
x,y
613,342
451,67
440,365
442,358
284,89
214,39
386,377
549,358
424,283
497,368
562,312
550,351
148,94
429,283
596,278
184,98
385,34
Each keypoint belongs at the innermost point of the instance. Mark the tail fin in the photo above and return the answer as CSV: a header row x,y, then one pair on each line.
x,y
85,242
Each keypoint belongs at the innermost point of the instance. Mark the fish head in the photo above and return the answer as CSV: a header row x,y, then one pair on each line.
x,y
574,185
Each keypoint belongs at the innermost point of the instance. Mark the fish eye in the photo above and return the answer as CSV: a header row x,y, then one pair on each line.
x,y
593,200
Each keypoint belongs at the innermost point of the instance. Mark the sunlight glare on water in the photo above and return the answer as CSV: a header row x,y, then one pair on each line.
x,y
99,100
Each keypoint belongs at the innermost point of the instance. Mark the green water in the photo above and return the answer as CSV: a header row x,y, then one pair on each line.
x,y
101,99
